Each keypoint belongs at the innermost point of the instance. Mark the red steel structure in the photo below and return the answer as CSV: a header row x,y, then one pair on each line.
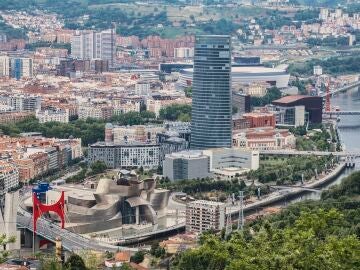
x,y
327,100
39,209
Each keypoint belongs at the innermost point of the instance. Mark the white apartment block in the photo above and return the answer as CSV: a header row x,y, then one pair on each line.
x,y
22,103
204,215
44,116
142,89
89,111
4,66
90,45
184,52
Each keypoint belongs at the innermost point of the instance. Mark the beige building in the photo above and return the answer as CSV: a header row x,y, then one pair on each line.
x,y
204,215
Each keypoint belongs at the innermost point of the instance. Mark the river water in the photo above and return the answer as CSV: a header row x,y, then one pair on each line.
x,y
349,131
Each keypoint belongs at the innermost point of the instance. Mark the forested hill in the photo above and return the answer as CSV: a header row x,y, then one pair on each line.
x,y
321,234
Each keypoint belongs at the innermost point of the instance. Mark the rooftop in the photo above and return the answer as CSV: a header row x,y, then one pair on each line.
x,y
293,98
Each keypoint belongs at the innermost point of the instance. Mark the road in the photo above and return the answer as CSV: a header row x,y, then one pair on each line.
x,y
309,153
71,241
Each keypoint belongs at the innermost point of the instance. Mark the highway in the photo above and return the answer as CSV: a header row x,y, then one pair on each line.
x,y
71,241
309,153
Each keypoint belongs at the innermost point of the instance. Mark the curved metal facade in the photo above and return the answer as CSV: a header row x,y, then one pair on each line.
x,y
211,102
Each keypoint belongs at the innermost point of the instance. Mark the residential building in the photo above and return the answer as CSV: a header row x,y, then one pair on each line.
x,y
186,165
21,67
142,89
9,179
211,101
204,215
44,116
4,66
23,103
125,155
184,52
13,117
91,45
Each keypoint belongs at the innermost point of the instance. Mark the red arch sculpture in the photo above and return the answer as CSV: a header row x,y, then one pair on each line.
x,y
39,209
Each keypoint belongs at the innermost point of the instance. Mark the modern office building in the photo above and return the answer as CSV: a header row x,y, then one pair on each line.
x,y
91,45
204,215
186,165
211,101
21,67
299,109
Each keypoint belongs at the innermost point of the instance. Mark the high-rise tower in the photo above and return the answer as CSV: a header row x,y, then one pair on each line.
x,y
211,102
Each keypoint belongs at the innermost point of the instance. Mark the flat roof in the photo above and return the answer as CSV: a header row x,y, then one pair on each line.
x,y
293,98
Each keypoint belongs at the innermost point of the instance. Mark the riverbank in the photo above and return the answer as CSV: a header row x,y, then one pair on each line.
x,y
293,192
265,202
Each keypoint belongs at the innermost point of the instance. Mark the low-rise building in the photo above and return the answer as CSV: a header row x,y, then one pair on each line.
x,y
260,119
186,165
204,215
266,138
223,158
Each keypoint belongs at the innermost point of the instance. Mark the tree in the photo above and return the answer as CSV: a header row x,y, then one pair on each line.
x,y
156,250
138,257
75,262
4,240
98,167
125,266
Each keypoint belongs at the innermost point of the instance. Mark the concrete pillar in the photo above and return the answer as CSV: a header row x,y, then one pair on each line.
x,y
137,215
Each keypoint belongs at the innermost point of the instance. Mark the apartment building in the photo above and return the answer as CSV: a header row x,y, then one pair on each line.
x,y
125,155
44,116
9,177
204,215
91,45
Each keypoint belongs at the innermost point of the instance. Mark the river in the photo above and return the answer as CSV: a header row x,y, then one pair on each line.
x,y
349,130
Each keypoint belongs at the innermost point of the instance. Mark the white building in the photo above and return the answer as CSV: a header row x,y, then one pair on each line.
x,y
91,45
4,66
142,89
186,165
204,215
21,103
184,52
232,157
44,116
87,110
318,70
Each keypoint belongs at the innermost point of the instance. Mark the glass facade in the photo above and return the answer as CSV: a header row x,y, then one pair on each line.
x,y
211,101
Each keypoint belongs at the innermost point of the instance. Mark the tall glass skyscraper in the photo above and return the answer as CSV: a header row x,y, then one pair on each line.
x,y
211,101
